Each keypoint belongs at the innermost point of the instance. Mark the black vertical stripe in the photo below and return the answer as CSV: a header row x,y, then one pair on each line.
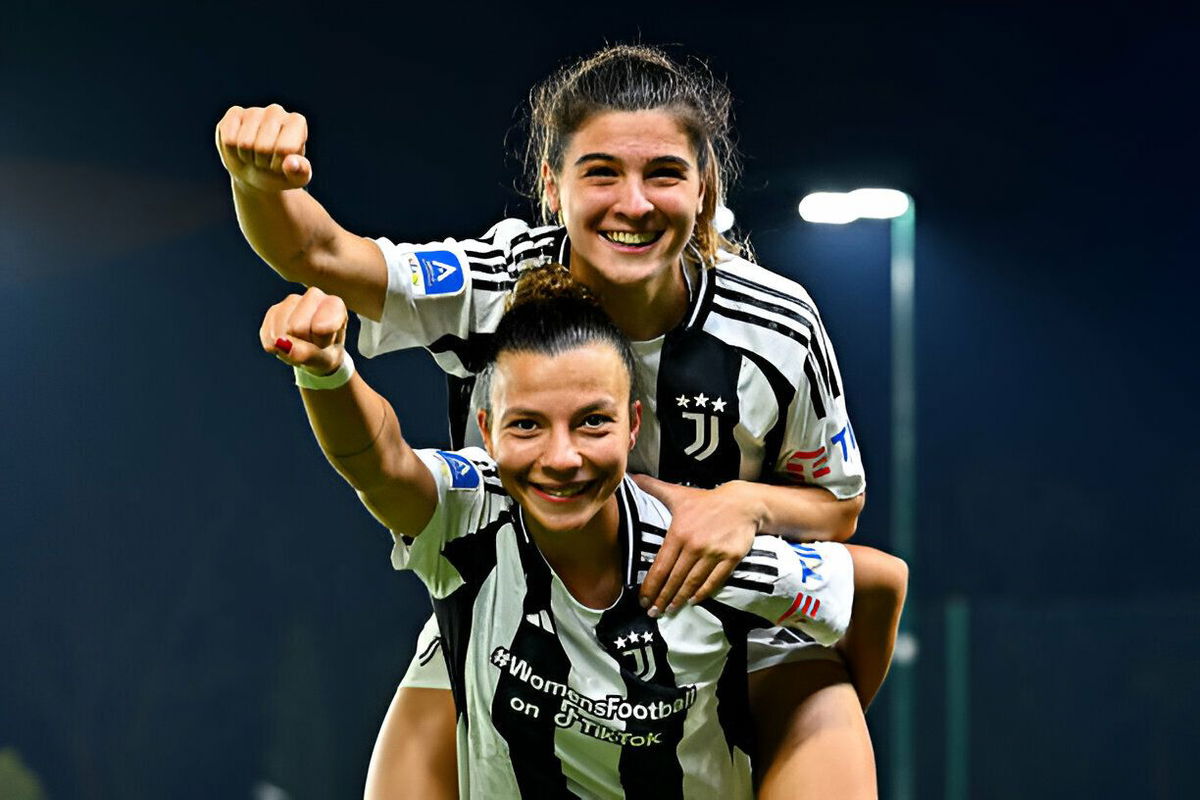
x,y
629,531
651,771
834,386
692,364
703,301
733,698
522,716
814,389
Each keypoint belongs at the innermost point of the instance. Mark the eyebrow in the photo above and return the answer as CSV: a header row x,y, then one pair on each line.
x,y
683,162
591,408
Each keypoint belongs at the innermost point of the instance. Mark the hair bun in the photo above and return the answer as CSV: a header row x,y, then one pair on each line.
x,y
549,282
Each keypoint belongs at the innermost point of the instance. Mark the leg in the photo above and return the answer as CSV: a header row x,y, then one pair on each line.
x,y
812,737
414,756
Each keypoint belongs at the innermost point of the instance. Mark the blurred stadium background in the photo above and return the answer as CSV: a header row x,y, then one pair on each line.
x,y
192,606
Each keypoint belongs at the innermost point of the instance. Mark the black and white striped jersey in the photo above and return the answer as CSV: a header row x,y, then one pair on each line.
x,y
557,699
746,387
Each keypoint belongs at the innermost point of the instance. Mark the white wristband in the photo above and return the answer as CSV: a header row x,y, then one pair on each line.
x,y
339,377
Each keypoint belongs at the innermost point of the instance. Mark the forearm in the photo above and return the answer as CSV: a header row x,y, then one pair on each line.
x,y
298,238
288,229
880,585
358,431
798,513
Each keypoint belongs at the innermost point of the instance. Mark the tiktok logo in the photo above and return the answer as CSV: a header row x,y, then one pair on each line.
x,y
708,435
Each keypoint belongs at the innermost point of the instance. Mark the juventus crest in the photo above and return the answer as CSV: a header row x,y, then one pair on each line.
x,y
637,649
704,413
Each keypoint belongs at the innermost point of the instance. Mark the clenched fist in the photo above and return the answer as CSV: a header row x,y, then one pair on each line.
x,y
264,147
307,332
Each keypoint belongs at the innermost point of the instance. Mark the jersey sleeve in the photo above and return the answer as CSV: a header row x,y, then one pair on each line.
x,y
464,506
440,293
809,587
819,447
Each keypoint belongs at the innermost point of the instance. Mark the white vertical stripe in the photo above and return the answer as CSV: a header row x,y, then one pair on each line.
x,y
758,412
644,457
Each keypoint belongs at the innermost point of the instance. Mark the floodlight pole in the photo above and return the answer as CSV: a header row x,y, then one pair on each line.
x,y
904,494
898,207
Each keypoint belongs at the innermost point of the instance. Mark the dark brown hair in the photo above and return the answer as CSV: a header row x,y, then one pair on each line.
x,y
549,312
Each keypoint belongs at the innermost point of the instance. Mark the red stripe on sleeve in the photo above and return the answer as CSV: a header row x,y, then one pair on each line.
x,y
795,604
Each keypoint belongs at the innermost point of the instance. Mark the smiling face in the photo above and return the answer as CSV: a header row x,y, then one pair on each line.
x,y
560,429
629,192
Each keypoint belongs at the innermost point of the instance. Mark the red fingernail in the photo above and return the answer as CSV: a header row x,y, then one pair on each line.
x,y
284,345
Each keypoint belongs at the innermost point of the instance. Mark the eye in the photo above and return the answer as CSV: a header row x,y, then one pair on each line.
x,y
668,173
599,171
522,425
594,421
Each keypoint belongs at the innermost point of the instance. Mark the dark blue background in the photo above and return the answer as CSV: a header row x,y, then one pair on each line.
x,y
191,601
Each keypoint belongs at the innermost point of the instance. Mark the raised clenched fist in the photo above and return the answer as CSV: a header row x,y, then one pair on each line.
x,y
263,148
306,331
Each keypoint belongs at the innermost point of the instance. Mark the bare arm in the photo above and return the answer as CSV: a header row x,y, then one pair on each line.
x,y
263,150
355,426
798,513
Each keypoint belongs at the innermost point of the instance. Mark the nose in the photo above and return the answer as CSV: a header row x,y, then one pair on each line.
x,y
561,454
632,201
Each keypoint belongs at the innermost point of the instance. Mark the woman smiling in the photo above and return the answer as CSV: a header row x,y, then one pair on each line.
x,y
629,156
533,550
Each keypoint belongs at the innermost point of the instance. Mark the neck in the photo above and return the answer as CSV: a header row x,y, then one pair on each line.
x,y
644,310
587,560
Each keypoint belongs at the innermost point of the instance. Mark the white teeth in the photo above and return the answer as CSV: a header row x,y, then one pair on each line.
x,y
629,237
564,491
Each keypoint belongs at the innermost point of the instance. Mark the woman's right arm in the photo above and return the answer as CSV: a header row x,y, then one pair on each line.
x,y
263,150
355,426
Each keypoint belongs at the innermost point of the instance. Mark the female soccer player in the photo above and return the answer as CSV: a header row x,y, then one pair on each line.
x,y
740,386
533,551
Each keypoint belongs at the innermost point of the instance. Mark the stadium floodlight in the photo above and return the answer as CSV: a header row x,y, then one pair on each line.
x,y
839,208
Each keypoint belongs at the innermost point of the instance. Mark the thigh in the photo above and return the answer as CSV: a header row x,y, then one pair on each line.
x,y
812,737
415,753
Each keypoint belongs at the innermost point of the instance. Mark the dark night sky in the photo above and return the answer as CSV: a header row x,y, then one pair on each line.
x,y
179,562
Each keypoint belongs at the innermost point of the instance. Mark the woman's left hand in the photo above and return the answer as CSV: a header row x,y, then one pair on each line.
x,y
711,532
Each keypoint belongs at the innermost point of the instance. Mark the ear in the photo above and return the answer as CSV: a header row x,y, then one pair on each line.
x,y
550,186
486,430
635,422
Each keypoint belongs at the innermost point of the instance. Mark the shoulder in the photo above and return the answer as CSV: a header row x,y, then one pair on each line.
x,y
524,244
744,281
646,520
761,312
470,470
